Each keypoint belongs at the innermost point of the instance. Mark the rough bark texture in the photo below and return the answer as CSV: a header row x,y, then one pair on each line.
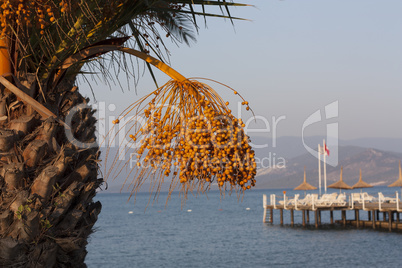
x,y
47,184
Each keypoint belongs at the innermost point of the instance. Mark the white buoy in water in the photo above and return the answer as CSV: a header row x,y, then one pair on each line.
x,y
130,212
247,208
189,210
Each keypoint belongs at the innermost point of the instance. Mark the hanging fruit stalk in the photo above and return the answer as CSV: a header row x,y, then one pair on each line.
x,y
184,131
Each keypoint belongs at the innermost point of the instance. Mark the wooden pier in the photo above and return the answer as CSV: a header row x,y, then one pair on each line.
x,y
380,215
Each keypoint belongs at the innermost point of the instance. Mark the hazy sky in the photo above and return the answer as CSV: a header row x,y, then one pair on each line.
x,y
295,57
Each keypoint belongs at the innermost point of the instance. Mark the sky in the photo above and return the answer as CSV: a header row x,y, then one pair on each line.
x,y
293,58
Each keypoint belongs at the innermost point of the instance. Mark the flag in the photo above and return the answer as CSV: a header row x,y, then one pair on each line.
x,y
326,149
323,149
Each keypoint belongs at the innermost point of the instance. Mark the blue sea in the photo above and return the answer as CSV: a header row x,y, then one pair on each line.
x,y
212,231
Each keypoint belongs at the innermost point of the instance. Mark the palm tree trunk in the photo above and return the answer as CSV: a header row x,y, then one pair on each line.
x,y
47,183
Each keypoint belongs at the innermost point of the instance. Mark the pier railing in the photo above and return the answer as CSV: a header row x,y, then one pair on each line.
x,y
295,202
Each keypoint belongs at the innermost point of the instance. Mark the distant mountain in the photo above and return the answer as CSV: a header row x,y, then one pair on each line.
x,y
384,144
378,168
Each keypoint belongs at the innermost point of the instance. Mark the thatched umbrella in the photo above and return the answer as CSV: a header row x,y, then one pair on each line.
x,y
340,184
398,182
361,183
305,186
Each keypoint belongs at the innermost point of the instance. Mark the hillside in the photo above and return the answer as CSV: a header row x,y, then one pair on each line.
x,y
378,168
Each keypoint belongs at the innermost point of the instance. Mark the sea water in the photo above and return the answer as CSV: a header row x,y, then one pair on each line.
x,y
211,231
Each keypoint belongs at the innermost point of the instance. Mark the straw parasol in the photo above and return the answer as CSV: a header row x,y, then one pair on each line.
x,y
361,183
340,184
398,182
305,186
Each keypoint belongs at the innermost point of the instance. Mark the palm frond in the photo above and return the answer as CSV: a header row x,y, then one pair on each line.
x,y
61,28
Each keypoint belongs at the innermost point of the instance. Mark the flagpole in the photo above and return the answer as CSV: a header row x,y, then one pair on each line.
x,y
319,169
325,168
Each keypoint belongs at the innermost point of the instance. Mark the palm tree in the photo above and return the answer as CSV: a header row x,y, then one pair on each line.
x,y
49,155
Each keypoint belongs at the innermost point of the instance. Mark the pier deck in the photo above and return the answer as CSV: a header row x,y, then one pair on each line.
x,y
384,215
